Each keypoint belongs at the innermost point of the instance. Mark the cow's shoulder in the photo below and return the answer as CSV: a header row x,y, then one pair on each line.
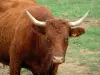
x,y
41,13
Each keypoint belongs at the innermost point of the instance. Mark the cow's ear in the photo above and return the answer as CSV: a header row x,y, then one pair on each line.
x,y
75,32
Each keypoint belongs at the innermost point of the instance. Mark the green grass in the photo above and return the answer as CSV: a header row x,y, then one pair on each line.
x,y
90,40
74,8
86,49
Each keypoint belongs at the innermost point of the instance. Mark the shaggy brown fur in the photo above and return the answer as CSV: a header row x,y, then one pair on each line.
x,y
23,44
9,4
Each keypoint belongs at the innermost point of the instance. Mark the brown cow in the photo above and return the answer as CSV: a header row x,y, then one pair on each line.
x,y
37,43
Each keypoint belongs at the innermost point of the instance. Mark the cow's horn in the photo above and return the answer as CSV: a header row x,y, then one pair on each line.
x,y
72,24
40,23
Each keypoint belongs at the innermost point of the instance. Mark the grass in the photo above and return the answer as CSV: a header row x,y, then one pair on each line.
x,y
85,49
74,8
90,40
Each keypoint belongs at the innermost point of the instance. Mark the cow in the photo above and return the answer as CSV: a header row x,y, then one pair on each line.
x,y
32,37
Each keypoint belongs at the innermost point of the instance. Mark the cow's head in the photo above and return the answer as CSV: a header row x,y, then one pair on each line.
x,y
57,32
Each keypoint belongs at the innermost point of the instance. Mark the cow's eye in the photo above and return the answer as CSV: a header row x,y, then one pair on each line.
x,y
48,40
65,40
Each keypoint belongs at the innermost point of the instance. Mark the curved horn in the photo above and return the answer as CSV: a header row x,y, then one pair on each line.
x,y
72,24
40,23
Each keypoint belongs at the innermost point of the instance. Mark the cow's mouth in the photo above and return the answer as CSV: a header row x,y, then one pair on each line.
x,y
58,60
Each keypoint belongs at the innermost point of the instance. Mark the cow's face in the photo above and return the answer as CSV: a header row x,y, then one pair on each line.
x,y
57,32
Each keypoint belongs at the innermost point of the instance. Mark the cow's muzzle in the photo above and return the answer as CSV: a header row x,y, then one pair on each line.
x,y
58,60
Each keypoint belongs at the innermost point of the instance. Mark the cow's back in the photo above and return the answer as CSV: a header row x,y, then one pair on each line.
x,y
8,4
9,17
7,29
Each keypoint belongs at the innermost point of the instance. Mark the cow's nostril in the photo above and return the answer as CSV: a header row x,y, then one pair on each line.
x,y
57,59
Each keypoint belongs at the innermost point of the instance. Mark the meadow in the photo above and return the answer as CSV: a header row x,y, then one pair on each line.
x,y
74,8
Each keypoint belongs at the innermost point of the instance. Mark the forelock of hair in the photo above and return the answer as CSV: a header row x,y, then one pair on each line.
x,y
57,24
